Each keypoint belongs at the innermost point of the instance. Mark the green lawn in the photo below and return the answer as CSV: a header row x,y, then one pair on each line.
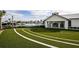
x,y
54,43
52,36
67,34
0,31
9,39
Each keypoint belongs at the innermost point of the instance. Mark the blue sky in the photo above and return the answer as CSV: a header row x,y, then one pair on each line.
x,y
27,14
24,12
31,12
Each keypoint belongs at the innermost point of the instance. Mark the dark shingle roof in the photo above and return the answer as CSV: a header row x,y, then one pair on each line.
x,y
72,16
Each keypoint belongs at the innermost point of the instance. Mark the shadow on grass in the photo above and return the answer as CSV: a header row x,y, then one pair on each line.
x,y
42,29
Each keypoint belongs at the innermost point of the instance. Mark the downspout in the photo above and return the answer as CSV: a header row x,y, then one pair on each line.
x,y
0,23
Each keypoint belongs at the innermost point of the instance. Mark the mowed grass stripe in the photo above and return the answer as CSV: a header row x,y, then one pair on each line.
x,y
1,32
52,37
54,43
33,40
9,39
65,34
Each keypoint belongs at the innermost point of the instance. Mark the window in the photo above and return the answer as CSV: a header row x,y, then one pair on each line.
x,y
69,23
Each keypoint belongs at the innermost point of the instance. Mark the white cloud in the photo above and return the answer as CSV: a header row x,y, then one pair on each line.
x,y
41,12
62,12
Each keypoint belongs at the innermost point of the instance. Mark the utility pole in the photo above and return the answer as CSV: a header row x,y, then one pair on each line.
x,y
12,23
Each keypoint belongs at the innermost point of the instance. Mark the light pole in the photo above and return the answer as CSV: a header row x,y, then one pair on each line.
x,y
12,23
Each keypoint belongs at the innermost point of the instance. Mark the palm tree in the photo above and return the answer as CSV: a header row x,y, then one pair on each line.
x,y
2,13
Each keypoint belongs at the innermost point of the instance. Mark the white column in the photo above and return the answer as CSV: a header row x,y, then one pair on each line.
x,y
59,25
52,25
66,24
49,24
46,24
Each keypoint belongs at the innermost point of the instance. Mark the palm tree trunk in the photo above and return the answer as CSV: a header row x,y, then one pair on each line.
x,y
0,23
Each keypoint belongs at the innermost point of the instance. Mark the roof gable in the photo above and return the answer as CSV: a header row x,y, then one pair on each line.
x,y
56,15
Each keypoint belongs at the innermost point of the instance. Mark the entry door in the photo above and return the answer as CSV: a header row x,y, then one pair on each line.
x,y
62,24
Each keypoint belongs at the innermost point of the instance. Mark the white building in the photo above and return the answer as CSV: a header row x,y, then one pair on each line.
x,y
74,19
62,21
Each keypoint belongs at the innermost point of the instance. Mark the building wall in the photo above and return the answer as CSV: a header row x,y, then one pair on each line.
x,y
75,23
57,18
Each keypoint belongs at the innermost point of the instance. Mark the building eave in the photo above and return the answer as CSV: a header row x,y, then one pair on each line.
x,y
56,15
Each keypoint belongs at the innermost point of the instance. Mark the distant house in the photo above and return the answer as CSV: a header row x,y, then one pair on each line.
x,y
62,21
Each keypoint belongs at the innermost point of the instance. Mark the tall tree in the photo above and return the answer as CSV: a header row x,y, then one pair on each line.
x,y
2,13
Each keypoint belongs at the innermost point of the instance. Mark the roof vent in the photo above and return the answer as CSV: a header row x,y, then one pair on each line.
x,y
55,13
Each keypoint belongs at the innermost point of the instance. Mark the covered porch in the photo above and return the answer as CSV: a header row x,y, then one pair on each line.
x,y
56,24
